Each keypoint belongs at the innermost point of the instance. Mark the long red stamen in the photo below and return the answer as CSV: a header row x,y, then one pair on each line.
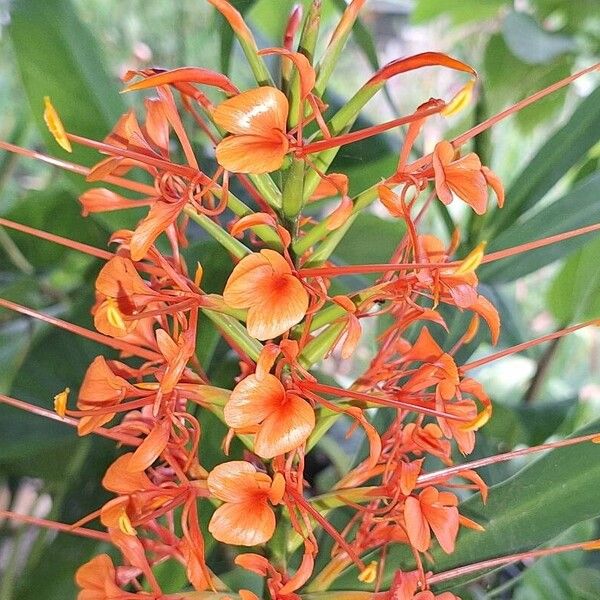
x,y
503,560
134,186
82,331
48,414
443,474
355,136
374,399
471,133
525,345
56,526
142,158
57,239
491,257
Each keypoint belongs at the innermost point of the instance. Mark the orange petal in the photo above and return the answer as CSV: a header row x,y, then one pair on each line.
x,y
425,59
243,524
253,400
335,184
119,278
157,124
305,69
151,448
417,527
186,75
284,306
237,481
444,523
240,289
254,154
103,200
121,480
255,112
286,428
161,215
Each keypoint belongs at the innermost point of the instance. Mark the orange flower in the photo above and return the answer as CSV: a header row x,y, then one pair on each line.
x,y
245,518
284,420
100,388
464,177
264,284
97,579
432,510
121,292
257,119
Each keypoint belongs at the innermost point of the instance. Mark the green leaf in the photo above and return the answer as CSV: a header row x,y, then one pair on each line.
x,y
58,57
575,292
563,150
561,577
578,208
532,44
542,500
461,12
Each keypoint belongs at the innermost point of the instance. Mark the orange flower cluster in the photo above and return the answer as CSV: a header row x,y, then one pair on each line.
x,y
279,316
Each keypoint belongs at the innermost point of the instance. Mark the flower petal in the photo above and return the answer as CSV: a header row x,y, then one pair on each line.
x,y
160,216
253,400
237,481
285,429
256,112
416,525
252,153
246,524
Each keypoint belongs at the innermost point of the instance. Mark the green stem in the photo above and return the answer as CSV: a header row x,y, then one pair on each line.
x,y
293,187
235,247
234,330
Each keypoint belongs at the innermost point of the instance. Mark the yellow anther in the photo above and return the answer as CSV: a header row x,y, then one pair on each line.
x,y
199,274
113,314
593,545
60,402
125,524
369,574
460,101
479,421
596,440
55,125
472,260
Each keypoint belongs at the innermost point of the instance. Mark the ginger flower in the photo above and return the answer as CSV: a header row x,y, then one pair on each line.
x,y
246,517
257,119
284,420
98,580
275,298
432,510
465,177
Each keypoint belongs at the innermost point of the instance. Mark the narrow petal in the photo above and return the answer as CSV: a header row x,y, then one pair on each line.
x,y
161,215
151,448
416,525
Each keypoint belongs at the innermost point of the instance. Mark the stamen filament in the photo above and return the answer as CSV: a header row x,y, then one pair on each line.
x,y
503,560
442,475
525,345
82,331
49,414
55,525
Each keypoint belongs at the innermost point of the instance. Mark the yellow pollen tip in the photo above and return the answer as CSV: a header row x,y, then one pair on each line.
x,y
125,524
60,402
480,420
460,101
369,574
472,260
198,275
596,440
593,545
113,314
55,125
